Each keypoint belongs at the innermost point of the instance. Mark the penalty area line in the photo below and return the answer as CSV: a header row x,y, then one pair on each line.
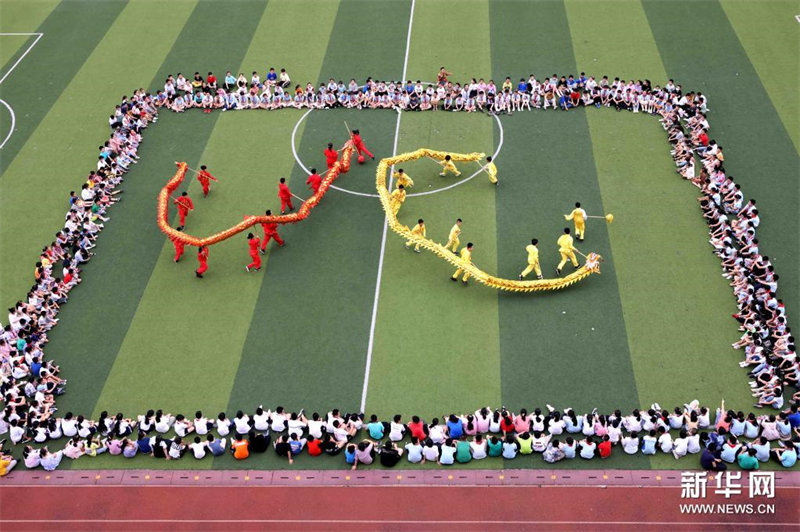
x,y
10,70
371,342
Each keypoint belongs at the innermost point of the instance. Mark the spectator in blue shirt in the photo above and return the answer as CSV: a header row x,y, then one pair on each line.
x,y
455,426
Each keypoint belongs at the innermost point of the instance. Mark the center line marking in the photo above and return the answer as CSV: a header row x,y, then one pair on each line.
x,y
371,343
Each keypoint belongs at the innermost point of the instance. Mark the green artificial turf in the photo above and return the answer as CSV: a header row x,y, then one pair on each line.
x,y
142,332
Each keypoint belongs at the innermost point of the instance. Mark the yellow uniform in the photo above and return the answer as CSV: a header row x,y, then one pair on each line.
x,y
533,261
448,166
579,217
452,239
396,200
403,179
419,230
466,255
491,169
567,251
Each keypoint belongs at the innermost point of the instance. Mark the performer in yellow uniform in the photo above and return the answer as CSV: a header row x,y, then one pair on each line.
x,y
449,166
397,198
567,251
452,239
578,215
533,260
491,169
402,178
466,254
418,230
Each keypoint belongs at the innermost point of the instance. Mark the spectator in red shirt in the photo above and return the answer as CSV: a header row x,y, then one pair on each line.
x,y
418,428
604,448
211,81
506,424
314,446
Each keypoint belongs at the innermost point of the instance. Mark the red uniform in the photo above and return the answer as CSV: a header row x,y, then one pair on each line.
x,y
331,156
184,204
285,196
254,242
270,231
202,258
205,178
179,245
359,145
315,180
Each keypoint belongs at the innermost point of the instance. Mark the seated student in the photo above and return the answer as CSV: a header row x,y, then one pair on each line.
x,y
525,443
7,463
588,448
665,442
377,429
314,446
198,448
240,447
478,447
331,446
283,448
216,445
296,444
730,449
262,420
762,448
604,447
569,447
257,442
540,441
463,451
50,461
494,446
447,453
390,454
176,448
747,459
316,426
31,457
710,462
365,453
630,444
455,426
350,454
680,446
129,448
430,451
414,451
160,447
553,452
786,455
510,447
436,432
417,428
649,443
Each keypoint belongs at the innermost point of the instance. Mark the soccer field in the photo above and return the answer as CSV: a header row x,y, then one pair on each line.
x,y
345,316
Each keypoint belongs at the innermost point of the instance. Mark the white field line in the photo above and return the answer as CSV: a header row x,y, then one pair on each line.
x,y
371,342
368,195
10,70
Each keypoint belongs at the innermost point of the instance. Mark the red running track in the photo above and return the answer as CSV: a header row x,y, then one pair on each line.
x,y
377,508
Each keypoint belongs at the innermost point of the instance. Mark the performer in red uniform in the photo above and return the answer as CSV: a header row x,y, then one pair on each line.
x,y
253,241
270,231
359,144
178,247
202,258
184,204
205,178
314,180
331,155
285,196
